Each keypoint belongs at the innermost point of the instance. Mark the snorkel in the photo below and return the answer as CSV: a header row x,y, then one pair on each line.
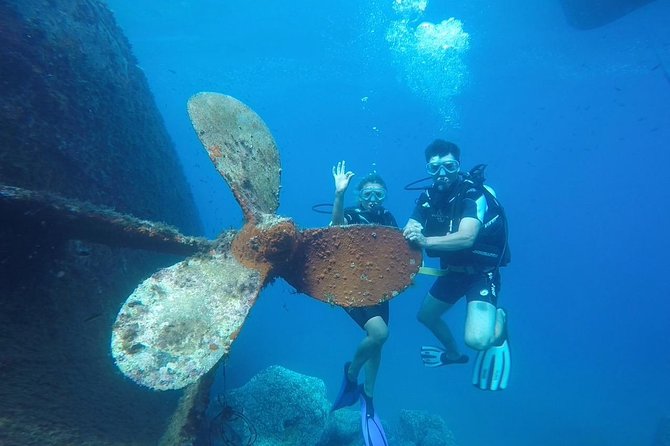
x,y
441,184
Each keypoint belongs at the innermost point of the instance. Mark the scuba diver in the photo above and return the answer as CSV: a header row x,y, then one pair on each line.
x,y
460,220
373,319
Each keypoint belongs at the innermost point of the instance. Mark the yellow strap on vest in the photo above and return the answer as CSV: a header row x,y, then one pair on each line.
x,y
428,271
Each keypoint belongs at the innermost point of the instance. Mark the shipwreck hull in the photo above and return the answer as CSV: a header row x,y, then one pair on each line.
x,y
77,119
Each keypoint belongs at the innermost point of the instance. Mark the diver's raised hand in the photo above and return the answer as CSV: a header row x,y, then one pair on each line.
x,y
341,177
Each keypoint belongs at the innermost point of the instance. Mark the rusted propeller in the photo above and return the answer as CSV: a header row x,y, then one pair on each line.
x,y
178,323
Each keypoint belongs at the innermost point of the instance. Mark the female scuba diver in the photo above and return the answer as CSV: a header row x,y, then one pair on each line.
x,y
373,319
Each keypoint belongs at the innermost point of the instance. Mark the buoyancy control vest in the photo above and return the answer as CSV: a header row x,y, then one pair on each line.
x,y
378,216
443,212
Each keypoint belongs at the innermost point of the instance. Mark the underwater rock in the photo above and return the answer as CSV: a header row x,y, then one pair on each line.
x,y
285,407
342,429
279,407
419,428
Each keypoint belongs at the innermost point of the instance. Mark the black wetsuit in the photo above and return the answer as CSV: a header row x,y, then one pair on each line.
x,y
472,272
358,216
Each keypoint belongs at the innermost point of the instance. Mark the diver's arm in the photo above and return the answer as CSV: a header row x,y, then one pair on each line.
x,y
338,210
474,209
464,238
342,178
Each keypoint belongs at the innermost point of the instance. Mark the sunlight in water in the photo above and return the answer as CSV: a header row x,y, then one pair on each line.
x,y
429,56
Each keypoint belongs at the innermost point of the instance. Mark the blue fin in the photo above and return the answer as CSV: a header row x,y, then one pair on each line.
x,y
348,394
373,432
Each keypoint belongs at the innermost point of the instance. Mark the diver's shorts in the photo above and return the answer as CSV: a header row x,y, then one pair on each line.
x,y
479,286
363,314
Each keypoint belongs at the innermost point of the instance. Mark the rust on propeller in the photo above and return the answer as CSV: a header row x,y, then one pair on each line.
x,y
181,321
242,149
349,266
354,266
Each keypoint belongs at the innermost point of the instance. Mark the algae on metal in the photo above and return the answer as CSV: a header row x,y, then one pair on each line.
x,y
178,323
78,220
242,149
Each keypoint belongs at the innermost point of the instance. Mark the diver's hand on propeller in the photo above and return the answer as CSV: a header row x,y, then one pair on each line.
x,y
411,226
341,177
413,234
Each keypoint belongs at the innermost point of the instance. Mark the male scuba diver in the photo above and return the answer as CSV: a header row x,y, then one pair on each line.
x,y
459,220
373,319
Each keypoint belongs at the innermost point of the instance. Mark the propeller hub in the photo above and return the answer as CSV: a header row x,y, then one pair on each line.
x,y
267,246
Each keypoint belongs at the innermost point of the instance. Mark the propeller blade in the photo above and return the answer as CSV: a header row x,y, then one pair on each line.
x,y
242,149
353,265
178,323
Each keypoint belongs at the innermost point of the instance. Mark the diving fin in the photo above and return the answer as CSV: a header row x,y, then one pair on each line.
x,y
493,365
436,357
373,432
348,394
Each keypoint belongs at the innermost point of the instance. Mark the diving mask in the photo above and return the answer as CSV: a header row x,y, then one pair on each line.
x,y
372,194
443,167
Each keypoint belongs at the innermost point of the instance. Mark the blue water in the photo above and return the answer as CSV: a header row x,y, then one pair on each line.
x,y
575,128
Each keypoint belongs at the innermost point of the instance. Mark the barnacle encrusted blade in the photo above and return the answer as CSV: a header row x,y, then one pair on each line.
x,y
353,265
241,147
178,323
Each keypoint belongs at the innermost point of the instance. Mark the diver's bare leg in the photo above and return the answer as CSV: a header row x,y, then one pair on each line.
x,y
501,321
368,352
430,315
480,325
